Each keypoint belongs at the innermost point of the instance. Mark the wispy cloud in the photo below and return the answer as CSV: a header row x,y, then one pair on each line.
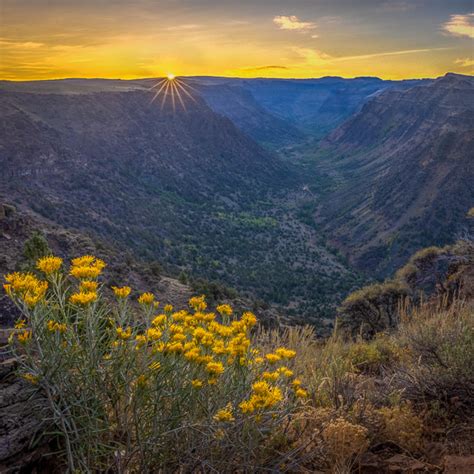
x,y
388,53
465,62
292,22
265,68
18,44
187,26
460,25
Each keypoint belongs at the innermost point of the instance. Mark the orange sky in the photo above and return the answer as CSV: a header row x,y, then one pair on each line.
x,y
42,39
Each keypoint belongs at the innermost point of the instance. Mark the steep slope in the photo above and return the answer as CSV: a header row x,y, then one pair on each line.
x,y
238,104
405,166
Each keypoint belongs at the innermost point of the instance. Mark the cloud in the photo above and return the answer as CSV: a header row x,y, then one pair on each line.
x,y
292,22
388,53
186,26
265,68
465,62
21,45
460,25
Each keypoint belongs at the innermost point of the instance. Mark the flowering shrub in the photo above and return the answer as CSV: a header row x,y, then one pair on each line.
x,y
136,388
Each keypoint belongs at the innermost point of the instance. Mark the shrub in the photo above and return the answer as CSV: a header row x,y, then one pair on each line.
x,y
344,441
372,309
131,388
439,348
402,426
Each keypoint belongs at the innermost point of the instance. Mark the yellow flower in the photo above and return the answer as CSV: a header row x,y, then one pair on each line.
x,y
168,308
215,368
196,383
85,272
285,353
146,298
88,286
249,319
49,265
224,310
198,303
121,292
272,358
154,366
86,267
285,371
301,393
154,334
54,326
179,316
224,414
20,324
124,334
270,376
192,354
83,298
175,347
263,397
33,379
296,383
85,260
159,320
141,340
24,336
27,287
178,337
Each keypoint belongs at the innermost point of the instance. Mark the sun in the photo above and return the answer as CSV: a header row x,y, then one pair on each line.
x,y
171,87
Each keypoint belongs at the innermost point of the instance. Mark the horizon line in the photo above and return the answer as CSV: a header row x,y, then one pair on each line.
x,y
232,77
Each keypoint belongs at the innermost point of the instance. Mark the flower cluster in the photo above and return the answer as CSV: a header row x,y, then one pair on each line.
x,y
86,269
49,265
26,287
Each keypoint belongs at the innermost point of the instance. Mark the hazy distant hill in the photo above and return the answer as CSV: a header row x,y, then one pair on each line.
x,y
407,164
310,106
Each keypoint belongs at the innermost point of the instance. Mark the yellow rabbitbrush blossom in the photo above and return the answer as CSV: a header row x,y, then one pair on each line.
x,y
263,397
20,324
83,298
224,310
146,298
285,353
24,336
49,265
215,368
121,292
87,267
88,286
54,326
26,287
33,379
224,414
198,303
124,334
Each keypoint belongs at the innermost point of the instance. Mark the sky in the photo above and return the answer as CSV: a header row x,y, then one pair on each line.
x,y
391,39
